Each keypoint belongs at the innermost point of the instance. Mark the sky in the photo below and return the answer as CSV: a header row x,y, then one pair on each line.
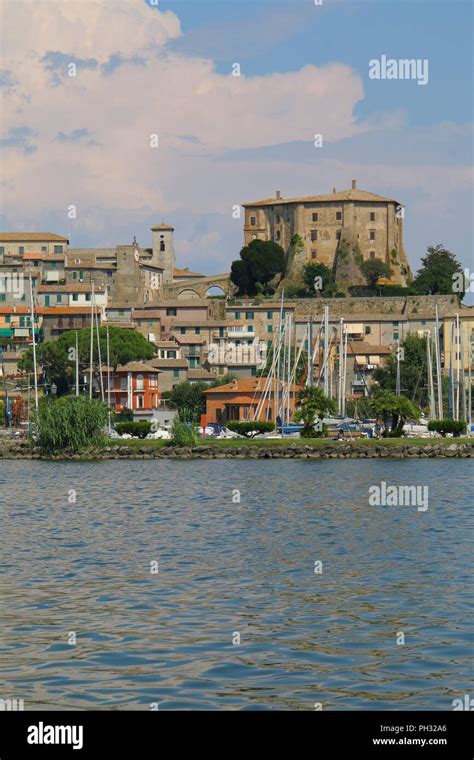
x,y
118,115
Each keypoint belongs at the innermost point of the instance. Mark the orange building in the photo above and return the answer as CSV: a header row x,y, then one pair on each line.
x,y
237,401
133,386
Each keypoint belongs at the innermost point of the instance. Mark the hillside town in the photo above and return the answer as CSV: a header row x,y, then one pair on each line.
x,y
201,329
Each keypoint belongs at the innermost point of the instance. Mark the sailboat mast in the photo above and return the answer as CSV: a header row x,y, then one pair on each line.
x,y
92,342
438,368
35,376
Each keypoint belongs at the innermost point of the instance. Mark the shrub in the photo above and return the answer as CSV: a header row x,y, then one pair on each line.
x,y
397,433
137,429
183,433
456,427
75,423
126,415
251,429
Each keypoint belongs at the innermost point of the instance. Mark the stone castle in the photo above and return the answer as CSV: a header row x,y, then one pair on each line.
x,y
339,229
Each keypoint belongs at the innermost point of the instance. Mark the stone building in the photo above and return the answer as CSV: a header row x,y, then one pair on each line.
x,y
372,222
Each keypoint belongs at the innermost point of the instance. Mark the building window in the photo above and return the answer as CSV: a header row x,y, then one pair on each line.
x,y
21,249
140,383
395,324
368,329
197,331
221,332
372,235
372,216
269,314
3,297
162,245
74,275
58,249
59,298
269,328
75,297
338,216
277,219
372,254
81,275
43,249
88,296
46,300
338,235
315,217
171,312
396,336
249,315
314,254
123,383
182,330
278,235
2,250
253,221
176,373
54,264
237,315
314,235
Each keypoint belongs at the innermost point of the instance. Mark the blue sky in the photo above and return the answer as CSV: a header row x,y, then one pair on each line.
x,y
304,69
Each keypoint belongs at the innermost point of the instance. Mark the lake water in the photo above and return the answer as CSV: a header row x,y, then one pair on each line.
x,y
228,570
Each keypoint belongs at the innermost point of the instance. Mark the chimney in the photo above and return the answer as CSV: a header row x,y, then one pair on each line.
x,y
353,184
278,195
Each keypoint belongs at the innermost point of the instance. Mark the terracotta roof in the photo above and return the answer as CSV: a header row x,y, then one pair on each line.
x,y
209,324
245,385
70,287
200,374
166,344
353,194
44,256
356,347
190,339
68,310
169,363
137,367
186,273
162,227
31,237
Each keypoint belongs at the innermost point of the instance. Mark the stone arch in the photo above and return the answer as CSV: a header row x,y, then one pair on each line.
x,y
188,294
221,291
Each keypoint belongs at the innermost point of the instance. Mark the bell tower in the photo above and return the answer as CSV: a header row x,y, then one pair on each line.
x,y
163,250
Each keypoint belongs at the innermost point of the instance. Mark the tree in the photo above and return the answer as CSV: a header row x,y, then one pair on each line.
x,y
189,400
393,410
438,272
59,360
319,280
312,403
74,423
259,262
373,270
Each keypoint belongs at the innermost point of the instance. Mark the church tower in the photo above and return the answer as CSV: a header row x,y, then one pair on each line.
x,y
163,250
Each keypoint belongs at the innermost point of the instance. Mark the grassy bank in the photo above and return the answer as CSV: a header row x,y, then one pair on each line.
x,y
233,443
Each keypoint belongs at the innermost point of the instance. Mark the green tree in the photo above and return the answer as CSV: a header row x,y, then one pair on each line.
x,y
313,403
373,270
259,262
393,410
251,429
438,272
189,400
319,280
59,361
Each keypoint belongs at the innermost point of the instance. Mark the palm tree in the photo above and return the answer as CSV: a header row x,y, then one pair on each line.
x,y
398,409
312,402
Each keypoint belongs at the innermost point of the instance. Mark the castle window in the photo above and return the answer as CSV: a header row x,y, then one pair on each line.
x,y
315,217
338,235
277,219
338,216
314,235
253,221
162,245
314,254
278,235
43,249
372,235
372,254
372,216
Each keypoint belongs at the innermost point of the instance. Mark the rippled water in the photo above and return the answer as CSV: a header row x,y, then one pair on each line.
x,y
227,568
